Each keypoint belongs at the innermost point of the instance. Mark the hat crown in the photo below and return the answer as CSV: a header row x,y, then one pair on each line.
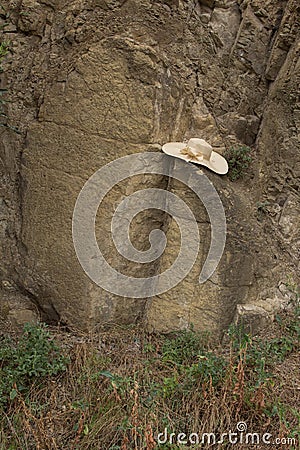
x,y
200,146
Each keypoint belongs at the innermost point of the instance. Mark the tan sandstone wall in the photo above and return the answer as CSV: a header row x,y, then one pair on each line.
x,y
93,80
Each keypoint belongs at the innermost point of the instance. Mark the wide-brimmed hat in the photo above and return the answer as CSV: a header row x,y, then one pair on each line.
x,y
197,151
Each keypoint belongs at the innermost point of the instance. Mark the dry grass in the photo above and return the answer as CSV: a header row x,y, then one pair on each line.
x,y
123,387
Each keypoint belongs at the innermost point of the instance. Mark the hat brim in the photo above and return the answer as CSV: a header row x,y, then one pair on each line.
x,y
217,163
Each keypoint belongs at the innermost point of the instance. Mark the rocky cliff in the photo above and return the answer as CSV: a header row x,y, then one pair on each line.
x,y
89,81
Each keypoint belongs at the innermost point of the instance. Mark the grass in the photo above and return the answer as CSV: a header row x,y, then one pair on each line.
x,y
122,387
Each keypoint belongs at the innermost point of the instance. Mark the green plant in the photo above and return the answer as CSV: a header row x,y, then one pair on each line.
x,y
239,339
262,206
239,160
35,355
260,355
184,347
118,384
262,209
211,368
4,46
120,396
170,386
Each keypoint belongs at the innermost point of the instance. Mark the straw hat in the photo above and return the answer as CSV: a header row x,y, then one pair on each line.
x,y
197,151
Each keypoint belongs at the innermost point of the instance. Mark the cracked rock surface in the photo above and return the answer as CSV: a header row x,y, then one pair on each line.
x,y
90,81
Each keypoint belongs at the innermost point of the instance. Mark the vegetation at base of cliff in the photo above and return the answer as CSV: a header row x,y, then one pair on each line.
x,y
122,387
239,160
34,356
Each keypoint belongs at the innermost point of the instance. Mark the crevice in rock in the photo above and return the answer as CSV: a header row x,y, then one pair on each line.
x,y
49,315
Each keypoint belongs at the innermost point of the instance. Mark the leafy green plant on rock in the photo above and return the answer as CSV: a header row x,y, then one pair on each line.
x,y
3,50
239,160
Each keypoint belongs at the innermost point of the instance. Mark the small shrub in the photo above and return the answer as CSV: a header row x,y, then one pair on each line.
x,y
184,347
239,160
35,355
210,368
261,355
262,209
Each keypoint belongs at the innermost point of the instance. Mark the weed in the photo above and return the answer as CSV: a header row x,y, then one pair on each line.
x,y
4,46
239,160
262,209
260,354
35,355
210,370
184,347
118,384
170,386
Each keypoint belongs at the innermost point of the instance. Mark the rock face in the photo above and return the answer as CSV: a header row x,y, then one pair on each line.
x,y
90,81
